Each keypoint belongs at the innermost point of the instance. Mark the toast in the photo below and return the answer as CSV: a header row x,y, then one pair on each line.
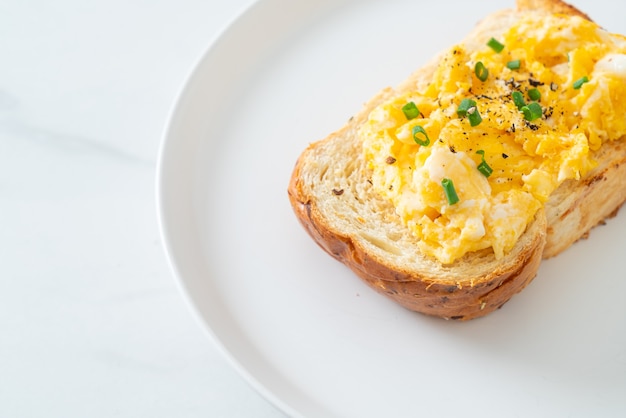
x,y
333,197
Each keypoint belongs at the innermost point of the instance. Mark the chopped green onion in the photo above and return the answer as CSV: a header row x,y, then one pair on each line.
x,y
579,83
534,94
532,111
481,71
464,106
410,110
518,99
474,116
483,167
468,108
495,45
419,130
448,190
514,65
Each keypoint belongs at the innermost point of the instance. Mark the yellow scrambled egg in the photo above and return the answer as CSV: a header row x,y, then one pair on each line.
x,y
502,156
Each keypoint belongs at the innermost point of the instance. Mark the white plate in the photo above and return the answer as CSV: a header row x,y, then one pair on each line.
x,y
300,326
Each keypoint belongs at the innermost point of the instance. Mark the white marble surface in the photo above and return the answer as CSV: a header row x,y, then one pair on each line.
x,y
92,323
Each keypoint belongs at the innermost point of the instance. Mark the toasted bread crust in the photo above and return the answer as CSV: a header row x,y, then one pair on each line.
x,y
551,6
469,288
449,299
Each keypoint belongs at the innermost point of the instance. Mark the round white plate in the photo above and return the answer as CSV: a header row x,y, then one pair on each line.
x,y
300,326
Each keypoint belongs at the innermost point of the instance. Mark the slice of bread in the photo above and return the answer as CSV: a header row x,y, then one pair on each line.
x,y
331,193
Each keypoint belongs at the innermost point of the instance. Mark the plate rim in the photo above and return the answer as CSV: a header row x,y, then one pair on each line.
x,y
251,379
173,115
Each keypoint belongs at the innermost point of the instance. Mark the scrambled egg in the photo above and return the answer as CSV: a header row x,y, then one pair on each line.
x,y
504,157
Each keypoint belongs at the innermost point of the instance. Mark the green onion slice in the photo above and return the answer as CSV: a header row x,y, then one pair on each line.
x,y
495,45
579,83
514,65
532,111
448,190
483,167
464,106
410,110
418,130
474,116
518,99
481,71
534,94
